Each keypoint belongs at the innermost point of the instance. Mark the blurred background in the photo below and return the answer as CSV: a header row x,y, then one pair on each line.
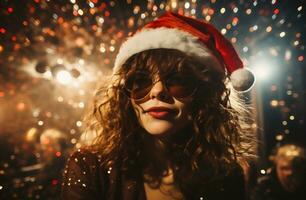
x,y
52,54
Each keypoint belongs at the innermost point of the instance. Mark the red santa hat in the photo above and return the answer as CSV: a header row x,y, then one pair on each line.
x,y
193,37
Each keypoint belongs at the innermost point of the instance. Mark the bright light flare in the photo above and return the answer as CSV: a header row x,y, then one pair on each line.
x,y
63,77
262,70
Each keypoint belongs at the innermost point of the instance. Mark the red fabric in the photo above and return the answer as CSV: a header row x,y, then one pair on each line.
x,y
206,33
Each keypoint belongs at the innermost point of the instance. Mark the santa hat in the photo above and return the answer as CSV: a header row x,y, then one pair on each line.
x,y
193,37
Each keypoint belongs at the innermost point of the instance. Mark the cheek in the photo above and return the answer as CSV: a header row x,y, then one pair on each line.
x,y
163,126
184,111
138,112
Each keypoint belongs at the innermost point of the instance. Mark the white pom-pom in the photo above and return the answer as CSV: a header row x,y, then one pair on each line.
x,y
242,79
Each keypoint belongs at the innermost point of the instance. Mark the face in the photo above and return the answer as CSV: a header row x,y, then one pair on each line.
x,y
286,174
162,107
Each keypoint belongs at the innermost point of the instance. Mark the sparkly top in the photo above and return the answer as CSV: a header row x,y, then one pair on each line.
x,y
86,177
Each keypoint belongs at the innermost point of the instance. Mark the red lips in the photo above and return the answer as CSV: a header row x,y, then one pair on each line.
x,y
160,112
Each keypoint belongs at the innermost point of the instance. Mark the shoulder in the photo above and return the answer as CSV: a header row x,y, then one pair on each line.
x,y
83,162
81,174
230,185
84,156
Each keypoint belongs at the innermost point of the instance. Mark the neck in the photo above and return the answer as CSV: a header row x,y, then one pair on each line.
x,y
156,149
160,149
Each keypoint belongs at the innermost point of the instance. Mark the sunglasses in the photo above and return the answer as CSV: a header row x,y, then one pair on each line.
x,y
178,85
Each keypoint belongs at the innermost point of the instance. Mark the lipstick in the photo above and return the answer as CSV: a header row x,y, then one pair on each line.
x,y
160,112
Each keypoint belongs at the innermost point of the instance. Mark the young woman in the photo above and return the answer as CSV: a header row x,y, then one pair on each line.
x,y
167,124
286,179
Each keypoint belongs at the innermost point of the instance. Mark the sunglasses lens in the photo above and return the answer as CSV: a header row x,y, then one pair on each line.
x,y
138,85
178,85
140,92
181,86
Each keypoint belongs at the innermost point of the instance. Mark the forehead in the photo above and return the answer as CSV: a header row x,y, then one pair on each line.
x,y
160,66
161,60
283,162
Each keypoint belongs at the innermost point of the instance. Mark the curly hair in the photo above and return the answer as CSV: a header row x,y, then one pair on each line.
x,y
220,134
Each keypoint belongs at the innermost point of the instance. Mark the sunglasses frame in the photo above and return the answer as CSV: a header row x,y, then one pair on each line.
x,y
163,79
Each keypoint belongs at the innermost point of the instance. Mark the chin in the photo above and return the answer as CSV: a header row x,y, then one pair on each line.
x,y
161,129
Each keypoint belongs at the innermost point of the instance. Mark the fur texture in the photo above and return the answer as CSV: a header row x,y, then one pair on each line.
x,y
168,38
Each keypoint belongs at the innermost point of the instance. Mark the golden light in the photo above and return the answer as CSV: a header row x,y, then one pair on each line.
x,y
63,77
21,106
263,69
31,134
274,103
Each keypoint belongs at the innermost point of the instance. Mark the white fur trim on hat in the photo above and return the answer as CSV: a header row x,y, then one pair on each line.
x,y
169,38
242,79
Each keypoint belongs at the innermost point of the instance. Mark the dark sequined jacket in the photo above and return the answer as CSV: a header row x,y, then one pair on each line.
x,y
86,178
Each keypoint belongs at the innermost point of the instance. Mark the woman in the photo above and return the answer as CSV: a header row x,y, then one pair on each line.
x,y
165,123
286,179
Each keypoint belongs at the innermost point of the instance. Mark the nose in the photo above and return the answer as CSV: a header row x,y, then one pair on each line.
x,y
158,90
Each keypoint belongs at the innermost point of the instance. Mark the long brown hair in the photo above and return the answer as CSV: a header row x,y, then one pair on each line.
x,y
220,133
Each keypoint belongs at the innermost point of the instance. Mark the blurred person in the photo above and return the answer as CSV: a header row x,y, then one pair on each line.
x,y
286,180
168,124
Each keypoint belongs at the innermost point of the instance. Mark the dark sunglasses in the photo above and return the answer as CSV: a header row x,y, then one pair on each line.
x,y
179,85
